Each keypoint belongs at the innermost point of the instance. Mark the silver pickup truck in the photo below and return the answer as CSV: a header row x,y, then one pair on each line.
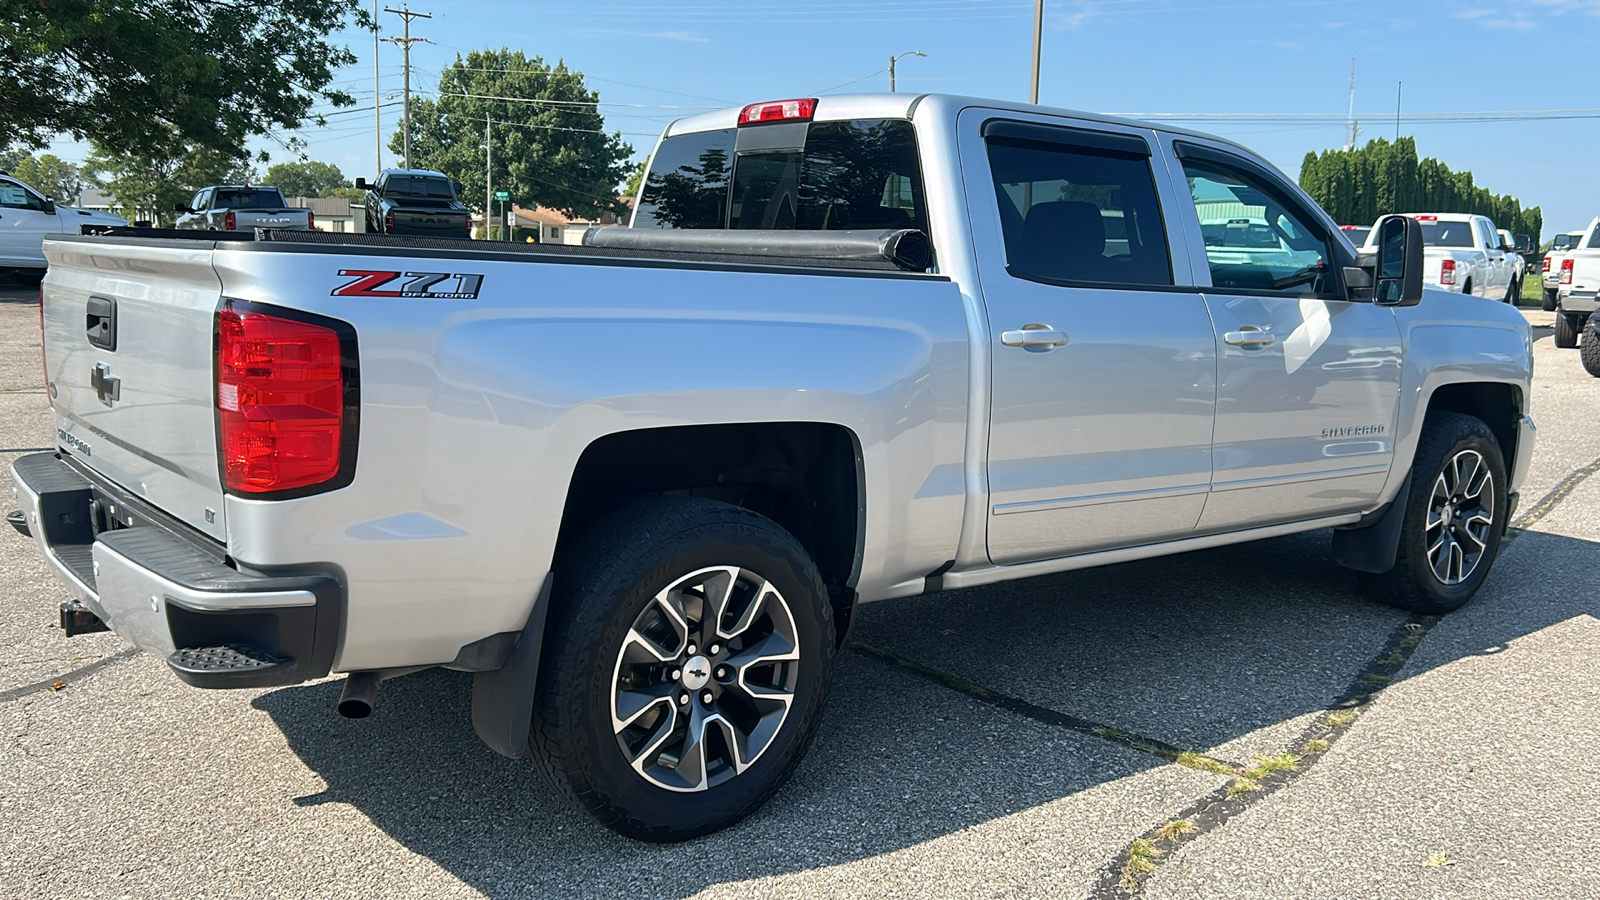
x,y
854,348
239,207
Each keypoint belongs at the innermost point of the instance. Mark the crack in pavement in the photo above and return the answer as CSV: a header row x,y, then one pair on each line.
x,y
1125,875
81,671
1142,744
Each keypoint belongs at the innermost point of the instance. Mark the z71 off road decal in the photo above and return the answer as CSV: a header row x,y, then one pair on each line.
x,y
424,285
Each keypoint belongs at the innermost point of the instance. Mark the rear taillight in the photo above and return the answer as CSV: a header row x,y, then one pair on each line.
x,y
1545,266
229,221
283,408
778,111
311,218
485,227
1566,271
388,221
1447,272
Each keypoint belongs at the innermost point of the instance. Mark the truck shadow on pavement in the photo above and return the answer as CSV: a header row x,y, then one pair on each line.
x,y
1226,651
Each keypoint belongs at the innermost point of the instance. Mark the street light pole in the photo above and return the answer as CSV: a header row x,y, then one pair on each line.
x,y
894,59
488,175
1038,37
377,99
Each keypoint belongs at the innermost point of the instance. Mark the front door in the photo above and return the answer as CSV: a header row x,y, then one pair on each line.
x,y
23,225
1103,363
1307,380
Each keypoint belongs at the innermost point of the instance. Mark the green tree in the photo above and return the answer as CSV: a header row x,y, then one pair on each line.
x,y
306,179
10,158
550,145
630,187
147,183
50,175
156,77
1357,186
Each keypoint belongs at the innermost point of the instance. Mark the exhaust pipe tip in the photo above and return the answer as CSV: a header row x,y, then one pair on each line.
x,y
360,694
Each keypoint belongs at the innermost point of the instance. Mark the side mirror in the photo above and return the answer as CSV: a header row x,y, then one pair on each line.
x,y
361,184
49,207
458,187
1524,244
180,208
1399,267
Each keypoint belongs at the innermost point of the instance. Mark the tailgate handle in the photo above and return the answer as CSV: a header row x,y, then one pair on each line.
x,y
100,322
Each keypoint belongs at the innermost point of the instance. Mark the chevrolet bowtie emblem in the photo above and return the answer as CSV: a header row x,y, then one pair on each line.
x,y
107,386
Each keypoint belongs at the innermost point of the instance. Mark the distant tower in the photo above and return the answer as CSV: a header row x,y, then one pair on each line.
x,y
1351,128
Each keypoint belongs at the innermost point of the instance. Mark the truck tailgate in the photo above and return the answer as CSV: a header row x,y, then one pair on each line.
x,y
248,219
128,357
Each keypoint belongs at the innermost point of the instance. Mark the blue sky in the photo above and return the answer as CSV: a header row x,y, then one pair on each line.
x,y
1127,56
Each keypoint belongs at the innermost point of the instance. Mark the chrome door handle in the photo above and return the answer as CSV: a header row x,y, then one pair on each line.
x,y
1248,336
1034,336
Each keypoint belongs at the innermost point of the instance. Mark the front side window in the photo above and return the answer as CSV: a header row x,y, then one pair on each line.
x,y
15,196
1078,214
1253,240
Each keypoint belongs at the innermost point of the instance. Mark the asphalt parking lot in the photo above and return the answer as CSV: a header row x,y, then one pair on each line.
x,y
1018,740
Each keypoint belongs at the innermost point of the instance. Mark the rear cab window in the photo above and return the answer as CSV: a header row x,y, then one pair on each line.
x,y
249,198
1446,234
857,174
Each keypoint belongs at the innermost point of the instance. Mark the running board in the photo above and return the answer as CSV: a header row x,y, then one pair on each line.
x,y
992,574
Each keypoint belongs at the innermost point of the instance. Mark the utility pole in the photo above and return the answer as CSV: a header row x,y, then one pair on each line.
x,y
488,176
1038,38
405,42
895,59
1352,128
377,99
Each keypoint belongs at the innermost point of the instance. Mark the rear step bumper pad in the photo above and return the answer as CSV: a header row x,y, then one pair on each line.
x,y
217,627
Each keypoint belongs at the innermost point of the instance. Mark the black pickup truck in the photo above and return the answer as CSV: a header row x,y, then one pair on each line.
x,y
415,201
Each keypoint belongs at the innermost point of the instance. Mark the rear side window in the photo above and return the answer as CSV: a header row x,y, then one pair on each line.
x,y
1594,240
1073,214
859,174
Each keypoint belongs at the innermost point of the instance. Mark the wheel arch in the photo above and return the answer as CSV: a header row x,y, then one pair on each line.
x,y
1496,404
807,476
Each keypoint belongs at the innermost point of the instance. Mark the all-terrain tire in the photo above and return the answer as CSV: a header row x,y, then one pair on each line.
x,y
1549,302
1567,327
604,583
1466,288
1589,348
1415,583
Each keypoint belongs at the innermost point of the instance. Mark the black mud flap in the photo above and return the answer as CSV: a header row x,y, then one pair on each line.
x,y
1372,545
502,700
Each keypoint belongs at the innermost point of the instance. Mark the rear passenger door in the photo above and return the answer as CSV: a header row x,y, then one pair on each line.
x,y
1102,361
1307,379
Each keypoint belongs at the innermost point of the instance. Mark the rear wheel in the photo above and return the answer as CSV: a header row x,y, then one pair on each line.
x,y
1454,518
1466,288
1549,304
688,657
1589,348
1567,327
29,277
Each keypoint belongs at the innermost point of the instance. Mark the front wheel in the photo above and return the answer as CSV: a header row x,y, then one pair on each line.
x,y
1549,302
689,654
1589,348
1567,328
1512,290
1455,513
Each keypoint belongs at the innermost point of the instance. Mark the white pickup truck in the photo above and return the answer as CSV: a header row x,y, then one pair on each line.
x,y
240,207
1550,274
27,217
1577,289
852,348
1465,255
